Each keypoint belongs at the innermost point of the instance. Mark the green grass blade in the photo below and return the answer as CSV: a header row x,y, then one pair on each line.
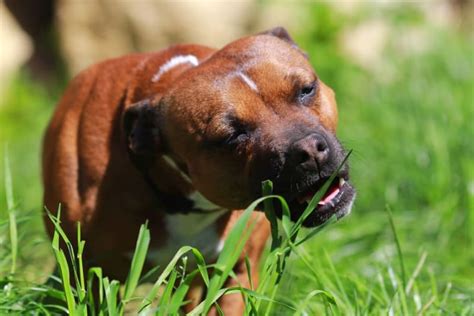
x,y
446,293
233,290
397,243
339,283
67,287
8,181
219,310
267,189
95,273
139,257
415,273
56,220
434,286
316,231
178,299
166,296
57,228
230,253
147,276
249,271
428,304
111,293
12,222
201,265
321,278
80,250
383,288
199,310
266,298
64,271
145,305
402,297
328,296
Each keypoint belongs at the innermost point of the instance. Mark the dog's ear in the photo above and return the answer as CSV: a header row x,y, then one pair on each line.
x,y
281,33
140,125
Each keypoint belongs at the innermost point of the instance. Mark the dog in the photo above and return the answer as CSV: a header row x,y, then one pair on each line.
x,y
183,138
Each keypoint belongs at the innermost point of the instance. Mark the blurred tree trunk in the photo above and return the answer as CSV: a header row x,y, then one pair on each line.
x,y
36,18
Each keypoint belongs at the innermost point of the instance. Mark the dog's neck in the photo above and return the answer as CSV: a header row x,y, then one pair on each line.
x,y
176,203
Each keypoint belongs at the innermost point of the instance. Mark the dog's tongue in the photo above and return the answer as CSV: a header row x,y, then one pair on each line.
x,y
330,194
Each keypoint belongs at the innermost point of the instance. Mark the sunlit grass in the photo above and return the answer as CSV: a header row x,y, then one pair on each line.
x,y
390,292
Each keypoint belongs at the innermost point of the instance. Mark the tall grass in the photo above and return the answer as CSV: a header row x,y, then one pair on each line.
x,y
167,296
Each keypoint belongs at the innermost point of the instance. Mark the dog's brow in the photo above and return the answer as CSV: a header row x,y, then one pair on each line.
x,y
173,62
248,81
300,75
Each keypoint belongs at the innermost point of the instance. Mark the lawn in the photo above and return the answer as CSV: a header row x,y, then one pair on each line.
x,y
408,121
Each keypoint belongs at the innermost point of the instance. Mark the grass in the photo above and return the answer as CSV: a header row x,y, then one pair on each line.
x,y
409,121
167,296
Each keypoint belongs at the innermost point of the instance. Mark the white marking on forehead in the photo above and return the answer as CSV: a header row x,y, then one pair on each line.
x,y
173,62
248,81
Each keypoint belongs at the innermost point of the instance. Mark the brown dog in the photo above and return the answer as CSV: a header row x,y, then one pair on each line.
x,y
184,136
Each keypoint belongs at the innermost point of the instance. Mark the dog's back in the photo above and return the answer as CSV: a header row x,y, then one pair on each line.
x,y
86,168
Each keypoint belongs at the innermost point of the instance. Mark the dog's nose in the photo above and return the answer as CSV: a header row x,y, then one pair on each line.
x,y
309,152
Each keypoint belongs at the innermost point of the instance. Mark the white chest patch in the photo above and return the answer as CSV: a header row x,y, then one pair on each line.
x,y
248,81
173,62
200,202
196,230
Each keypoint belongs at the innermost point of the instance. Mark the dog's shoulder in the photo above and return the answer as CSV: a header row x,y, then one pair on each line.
x,y
156,72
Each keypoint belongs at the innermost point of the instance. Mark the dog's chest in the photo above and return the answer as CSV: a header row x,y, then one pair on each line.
x,y
199,230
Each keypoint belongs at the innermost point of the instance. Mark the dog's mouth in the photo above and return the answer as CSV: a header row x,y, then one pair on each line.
x,y
337,200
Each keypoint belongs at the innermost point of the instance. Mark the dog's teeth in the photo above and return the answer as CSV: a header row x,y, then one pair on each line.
x,y
341,182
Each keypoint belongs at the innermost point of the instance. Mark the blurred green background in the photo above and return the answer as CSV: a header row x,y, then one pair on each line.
x,y
403,77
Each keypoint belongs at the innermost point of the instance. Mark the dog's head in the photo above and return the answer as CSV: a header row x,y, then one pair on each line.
x,y
254,110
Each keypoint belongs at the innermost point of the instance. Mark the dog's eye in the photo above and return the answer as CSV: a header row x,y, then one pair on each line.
x,y
307,91
230,135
